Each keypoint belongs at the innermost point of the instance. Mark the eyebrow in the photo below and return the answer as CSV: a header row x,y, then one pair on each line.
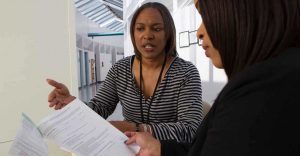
x,y
154,24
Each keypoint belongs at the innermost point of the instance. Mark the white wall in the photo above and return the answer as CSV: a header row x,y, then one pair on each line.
x,y
37,41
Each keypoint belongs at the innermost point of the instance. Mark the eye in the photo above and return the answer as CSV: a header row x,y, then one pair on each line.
x,y
157,29
139,28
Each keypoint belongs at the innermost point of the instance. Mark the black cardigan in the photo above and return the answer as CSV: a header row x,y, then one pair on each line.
x,y
256,113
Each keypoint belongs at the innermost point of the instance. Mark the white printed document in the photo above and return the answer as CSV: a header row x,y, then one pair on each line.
x,y
78,129
29,140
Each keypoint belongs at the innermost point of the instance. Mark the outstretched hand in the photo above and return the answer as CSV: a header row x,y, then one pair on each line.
x,y
60,96
149,145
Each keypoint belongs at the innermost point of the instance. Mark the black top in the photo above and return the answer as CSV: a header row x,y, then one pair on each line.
x,y
256,113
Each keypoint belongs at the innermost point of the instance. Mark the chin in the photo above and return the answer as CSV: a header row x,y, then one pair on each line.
x,y
218,65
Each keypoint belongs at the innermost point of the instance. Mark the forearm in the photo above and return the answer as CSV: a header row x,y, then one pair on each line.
x,y
126,126
123,126
183,129
105,101
178,131
106,98
102,108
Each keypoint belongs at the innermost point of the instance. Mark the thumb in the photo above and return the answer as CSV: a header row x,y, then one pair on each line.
x,y
132,137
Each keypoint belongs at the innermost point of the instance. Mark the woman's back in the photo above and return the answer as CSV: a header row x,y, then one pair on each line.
x,y
257,111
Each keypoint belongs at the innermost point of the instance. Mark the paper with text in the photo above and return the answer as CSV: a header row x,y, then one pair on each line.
x,y
29,140
80,130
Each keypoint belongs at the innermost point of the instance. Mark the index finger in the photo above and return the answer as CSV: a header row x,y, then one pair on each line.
x,y
55,84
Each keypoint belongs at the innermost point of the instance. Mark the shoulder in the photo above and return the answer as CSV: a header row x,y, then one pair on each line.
x,y
183,63
271,78
123,62
184,66
287,63
263,92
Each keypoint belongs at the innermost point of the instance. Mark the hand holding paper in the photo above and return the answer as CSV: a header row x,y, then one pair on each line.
x,y
29,140
81,131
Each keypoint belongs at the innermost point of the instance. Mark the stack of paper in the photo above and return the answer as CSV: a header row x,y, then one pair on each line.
x,y
77,129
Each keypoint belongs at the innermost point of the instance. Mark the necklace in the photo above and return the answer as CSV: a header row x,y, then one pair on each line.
x,y
153,94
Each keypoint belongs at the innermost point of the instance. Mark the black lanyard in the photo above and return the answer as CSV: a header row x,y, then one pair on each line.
x,y
152,97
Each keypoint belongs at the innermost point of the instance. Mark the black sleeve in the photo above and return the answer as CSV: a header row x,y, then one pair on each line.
x,y
229,132
256,119
173,148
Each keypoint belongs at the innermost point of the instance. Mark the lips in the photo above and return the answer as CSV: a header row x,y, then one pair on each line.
x,y
148,47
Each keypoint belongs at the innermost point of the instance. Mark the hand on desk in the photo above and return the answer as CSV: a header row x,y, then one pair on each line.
x,y
60,96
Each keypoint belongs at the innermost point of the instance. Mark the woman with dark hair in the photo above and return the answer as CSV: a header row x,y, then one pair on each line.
x,y
167,20
159,92
256,113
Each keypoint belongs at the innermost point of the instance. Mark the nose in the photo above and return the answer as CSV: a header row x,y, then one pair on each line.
x,y
148,35
200,35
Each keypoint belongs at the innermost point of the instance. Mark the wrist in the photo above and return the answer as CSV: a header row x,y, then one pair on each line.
x,y
146,128
137,127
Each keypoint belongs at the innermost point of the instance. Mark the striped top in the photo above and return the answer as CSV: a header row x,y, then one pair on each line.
x,y
176,110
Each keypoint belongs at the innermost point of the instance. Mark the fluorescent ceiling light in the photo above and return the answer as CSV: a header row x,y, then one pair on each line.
x,y
107,22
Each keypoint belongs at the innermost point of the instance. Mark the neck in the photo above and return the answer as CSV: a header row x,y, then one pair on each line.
x,y
153,63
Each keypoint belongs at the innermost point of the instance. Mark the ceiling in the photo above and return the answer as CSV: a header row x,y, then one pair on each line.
x,y
106,13
109,13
